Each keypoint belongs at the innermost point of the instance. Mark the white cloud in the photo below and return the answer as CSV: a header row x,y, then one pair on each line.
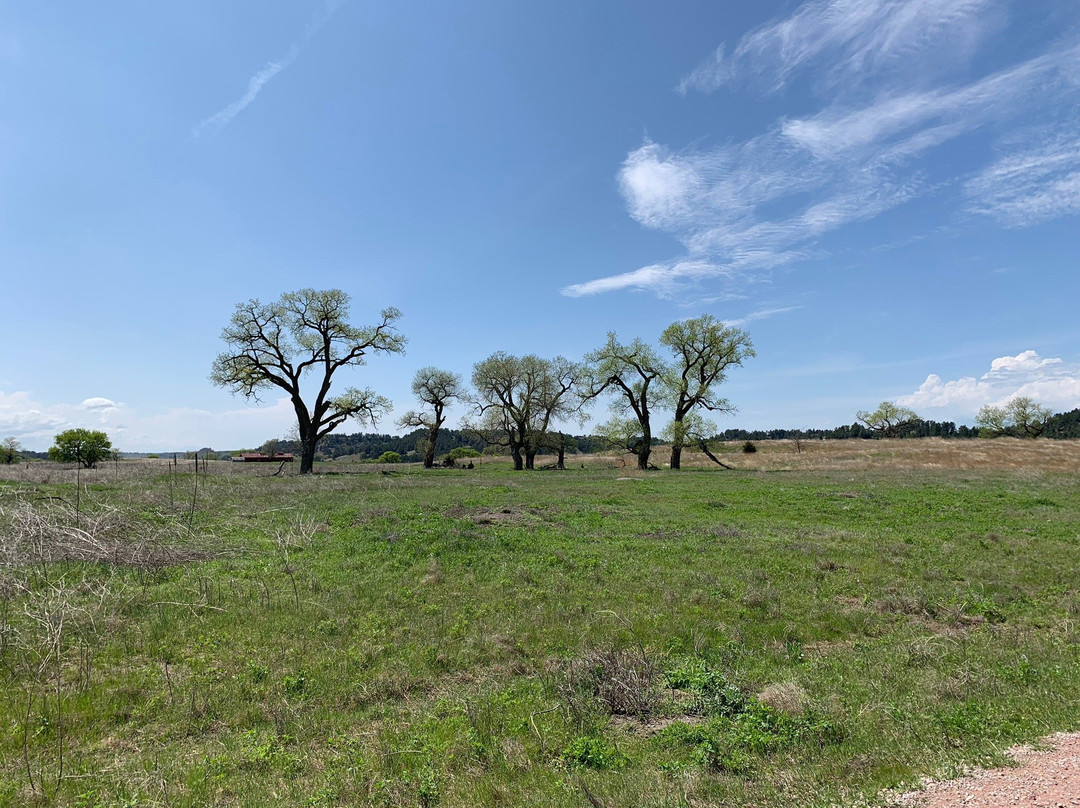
x,y
743,208
662,279
855,39
1032,184
1051,381
99,404
942,113
1027,361
35,424
220,119
760,314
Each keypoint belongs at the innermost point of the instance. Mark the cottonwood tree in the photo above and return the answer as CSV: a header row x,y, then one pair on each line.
x,y
84,446
275,345
437,389
627,372
516,399
889,420
9,451
1021,417
703,348
553,401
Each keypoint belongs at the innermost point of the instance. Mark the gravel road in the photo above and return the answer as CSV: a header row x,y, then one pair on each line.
x,y
1047,778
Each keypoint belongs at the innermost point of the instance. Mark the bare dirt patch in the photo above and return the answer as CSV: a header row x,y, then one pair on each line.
x,y
488,516
1041,777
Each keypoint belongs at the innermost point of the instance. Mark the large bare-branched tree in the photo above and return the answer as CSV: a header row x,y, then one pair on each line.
x,y
628,371
274,345
435,388
889,420
703,349
517,398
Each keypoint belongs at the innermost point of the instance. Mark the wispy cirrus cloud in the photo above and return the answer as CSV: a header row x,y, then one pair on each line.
x,y
742,208
849,40
1051,381
1030,185
760,314
220,119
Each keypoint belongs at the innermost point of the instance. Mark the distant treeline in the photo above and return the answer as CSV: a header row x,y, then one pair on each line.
x,y
918,429
1063,425
366,445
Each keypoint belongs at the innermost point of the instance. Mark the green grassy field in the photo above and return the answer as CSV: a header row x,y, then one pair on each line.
x,y
475,638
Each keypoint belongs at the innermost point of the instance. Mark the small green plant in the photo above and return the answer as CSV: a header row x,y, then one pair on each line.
x,y
593,752
749,447
712,693
389,457
295,685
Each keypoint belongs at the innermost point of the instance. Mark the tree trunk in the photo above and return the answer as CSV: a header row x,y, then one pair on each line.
x,y
643,457
645,448
530,459
307,453
561,465
429,454
676,456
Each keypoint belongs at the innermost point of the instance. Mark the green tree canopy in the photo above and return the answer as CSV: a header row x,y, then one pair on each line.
x,y
275,345
889,420
83,446
702,348
1020,417
9,451
436,388
627,371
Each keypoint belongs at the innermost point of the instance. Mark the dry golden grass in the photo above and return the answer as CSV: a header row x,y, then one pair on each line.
x,y
1004,454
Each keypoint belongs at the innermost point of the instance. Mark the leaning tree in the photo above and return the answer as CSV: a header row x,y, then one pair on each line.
x,y
889,420
435,388
275,345
628,371
703,348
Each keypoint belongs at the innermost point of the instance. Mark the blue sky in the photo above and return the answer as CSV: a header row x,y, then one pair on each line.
x,y
885,194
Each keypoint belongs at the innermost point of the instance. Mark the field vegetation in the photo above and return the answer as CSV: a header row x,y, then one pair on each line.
x,y
820,622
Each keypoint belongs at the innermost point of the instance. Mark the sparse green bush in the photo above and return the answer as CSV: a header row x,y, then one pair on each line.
x,y
593,753
461,452
389,457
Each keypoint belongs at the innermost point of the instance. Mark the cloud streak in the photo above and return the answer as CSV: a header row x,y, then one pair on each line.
x,y
743,208
853,38
220,119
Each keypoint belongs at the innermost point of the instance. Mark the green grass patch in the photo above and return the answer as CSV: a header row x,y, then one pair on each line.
x,y
479,637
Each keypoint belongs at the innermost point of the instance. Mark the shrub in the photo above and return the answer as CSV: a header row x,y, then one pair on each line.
x,y
389,457
749,447
460,452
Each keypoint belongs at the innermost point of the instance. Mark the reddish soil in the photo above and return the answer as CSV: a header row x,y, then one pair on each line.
x,y
1046,778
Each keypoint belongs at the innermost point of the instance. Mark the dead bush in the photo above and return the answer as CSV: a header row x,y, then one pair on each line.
x,y
618,682
786,697
32,535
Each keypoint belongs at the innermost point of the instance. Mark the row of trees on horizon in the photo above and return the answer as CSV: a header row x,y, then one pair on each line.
x,y
517,403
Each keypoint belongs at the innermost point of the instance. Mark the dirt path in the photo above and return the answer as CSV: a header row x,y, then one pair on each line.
x,y
1047,778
